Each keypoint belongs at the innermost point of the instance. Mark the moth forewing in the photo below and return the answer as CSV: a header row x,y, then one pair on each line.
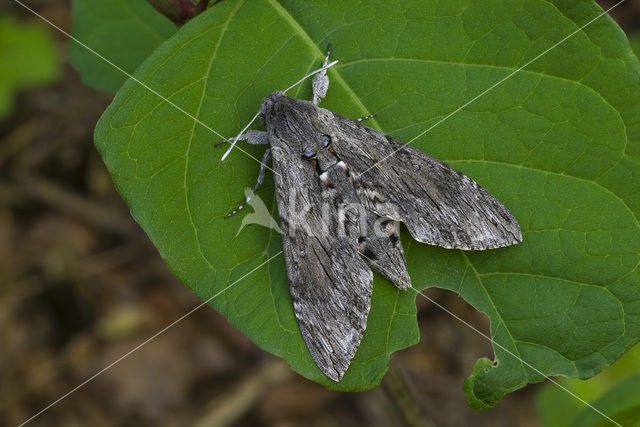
x,y
330,283
438,204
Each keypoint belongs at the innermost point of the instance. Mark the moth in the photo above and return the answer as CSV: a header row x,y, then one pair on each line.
x,y
342,188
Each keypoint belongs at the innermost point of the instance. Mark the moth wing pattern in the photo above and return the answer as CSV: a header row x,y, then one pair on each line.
x,y
330,284
438,204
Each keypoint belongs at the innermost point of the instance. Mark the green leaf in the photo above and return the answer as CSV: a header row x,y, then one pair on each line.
x,y
28,56
124,32
557,143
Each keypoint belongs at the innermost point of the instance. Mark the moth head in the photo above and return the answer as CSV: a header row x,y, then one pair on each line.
x,y
267,106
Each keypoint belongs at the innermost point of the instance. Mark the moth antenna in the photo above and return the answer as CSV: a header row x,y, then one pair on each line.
x,y
324,67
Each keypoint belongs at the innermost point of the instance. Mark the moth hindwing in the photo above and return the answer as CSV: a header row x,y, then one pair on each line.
x,y
341,189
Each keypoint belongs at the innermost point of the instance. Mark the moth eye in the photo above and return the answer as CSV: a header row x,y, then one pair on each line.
x,y
326,141
308,153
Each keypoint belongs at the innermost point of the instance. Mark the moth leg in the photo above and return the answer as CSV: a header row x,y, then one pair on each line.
x,y
367,117
255,137
320,81
263,167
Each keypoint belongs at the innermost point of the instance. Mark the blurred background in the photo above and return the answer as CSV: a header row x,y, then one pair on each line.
x,y
81,286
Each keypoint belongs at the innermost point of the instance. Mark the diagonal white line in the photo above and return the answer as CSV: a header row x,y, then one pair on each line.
x,y
495,85
150,89
175,322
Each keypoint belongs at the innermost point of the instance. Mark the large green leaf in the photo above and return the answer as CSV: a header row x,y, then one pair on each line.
x,y
556,142
124,32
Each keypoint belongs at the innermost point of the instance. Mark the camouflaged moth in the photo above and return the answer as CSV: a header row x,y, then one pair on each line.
x,y
341,190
